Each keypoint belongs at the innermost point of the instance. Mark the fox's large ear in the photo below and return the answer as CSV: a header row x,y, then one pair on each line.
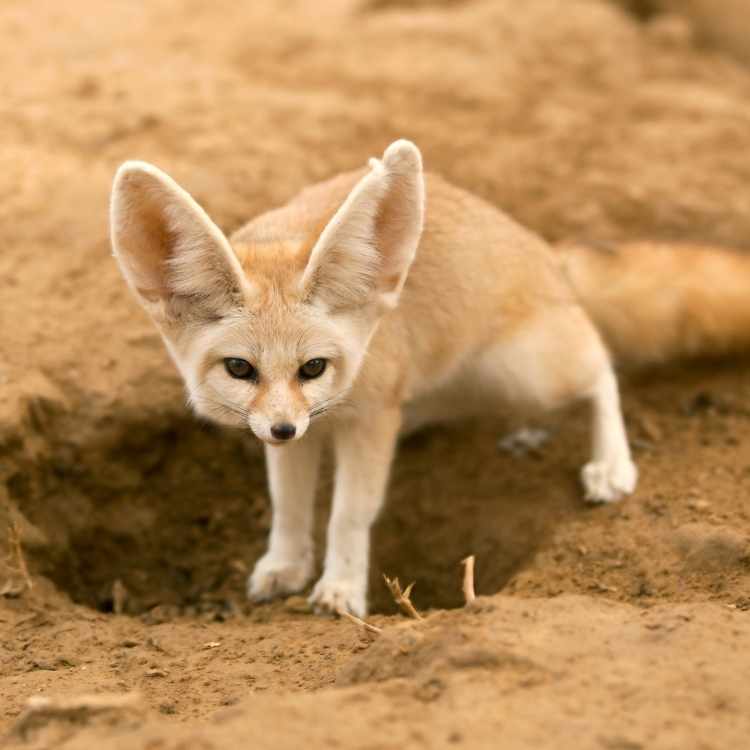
x,y
173,256
364,253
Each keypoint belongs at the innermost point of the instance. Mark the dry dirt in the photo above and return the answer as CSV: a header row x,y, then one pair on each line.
x,y
621,628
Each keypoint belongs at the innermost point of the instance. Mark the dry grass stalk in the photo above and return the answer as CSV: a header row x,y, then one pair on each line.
x,y
402,598
469,594
357,621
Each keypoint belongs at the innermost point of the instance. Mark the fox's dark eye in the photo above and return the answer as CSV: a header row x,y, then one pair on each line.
x,y
312,369
240,369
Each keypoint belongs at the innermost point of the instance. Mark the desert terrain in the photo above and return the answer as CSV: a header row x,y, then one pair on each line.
x,y
128,528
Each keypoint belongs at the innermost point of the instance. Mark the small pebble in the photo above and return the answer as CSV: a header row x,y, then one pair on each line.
x,y
699,504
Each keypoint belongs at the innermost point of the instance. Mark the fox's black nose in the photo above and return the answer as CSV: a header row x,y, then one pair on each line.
x,y
283,431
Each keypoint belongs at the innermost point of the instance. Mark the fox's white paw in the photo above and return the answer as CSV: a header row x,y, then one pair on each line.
x,y
608,481
276,577
335,596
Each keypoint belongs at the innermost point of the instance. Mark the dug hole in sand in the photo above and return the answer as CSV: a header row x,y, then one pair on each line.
x,y
132,527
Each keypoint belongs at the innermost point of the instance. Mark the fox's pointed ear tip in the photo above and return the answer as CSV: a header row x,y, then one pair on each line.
x,y
402,151
134,167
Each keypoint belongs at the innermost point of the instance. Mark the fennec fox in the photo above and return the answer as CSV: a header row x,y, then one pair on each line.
x,y
376,302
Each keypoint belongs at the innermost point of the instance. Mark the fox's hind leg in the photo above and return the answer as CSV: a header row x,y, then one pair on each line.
x,y
611,473
556,358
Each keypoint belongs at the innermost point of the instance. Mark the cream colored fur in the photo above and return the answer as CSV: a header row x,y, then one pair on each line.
x,y
415,313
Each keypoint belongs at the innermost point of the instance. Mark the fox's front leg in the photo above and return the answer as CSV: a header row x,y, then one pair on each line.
x,y
364,451
287,566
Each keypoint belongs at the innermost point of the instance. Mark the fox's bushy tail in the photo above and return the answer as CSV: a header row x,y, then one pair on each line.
x,y
657,301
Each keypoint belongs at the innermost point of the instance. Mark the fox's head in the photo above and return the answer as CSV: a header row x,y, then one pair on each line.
x,y
271,334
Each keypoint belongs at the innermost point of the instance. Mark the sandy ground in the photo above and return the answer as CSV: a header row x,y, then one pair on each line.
x,y
621,627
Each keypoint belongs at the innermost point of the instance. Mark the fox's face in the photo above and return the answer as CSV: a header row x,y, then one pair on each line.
x,y
269,334
271,364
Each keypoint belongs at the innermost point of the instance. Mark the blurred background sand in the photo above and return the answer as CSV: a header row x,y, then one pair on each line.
x,y
583,119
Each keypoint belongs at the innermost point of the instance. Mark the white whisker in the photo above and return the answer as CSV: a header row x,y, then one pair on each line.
x,y
335,402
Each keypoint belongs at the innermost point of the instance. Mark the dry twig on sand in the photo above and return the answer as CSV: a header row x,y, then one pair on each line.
x,y
14,539
357,621
119,597
468,564
402,598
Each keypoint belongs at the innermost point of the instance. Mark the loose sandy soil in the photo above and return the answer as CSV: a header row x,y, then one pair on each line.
x,y
620,627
